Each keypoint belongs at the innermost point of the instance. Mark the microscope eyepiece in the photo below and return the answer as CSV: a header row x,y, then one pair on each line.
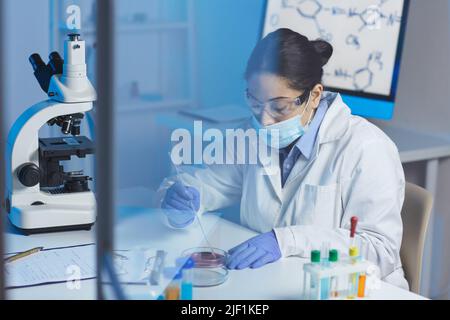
x,y
36,61
42,72
55,56
56,63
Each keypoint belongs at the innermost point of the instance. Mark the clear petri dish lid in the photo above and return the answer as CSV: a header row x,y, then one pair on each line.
x,y
209,266
207,257
209,277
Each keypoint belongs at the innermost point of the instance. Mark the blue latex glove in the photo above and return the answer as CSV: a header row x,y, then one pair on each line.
x,y
255,253
181,204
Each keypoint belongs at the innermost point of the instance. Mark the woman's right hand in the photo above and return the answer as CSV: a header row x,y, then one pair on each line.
x,y
181,204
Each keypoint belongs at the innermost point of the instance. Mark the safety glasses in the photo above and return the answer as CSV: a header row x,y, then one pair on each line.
x,y
277,108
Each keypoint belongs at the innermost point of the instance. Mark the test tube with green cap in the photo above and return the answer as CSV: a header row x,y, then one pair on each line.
x,y
314,283
333,258
325,282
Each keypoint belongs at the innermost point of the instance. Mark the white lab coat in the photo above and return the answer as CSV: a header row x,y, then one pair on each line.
x,y
354,170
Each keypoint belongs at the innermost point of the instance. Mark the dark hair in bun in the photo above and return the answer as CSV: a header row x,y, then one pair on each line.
x,y
324,49
292,56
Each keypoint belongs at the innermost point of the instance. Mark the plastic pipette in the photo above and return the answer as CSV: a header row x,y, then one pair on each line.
x,y
177,177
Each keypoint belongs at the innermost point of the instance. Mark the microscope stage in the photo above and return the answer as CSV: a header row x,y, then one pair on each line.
x,y
66,146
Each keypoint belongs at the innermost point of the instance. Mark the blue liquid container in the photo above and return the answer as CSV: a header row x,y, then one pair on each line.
x,y
324,263
187,287
325,283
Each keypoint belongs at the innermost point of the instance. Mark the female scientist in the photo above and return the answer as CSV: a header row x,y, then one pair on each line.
x,y
333,166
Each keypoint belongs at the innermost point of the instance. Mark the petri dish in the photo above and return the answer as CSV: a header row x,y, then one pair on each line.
x,y
209,266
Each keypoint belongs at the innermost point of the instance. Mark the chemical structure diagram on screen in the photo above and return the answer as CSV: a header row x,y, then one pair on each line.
x,y
371,17
357,30
362,78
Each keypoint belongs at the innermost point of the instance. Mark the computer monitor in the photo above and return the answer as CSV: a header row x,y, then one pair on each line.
x,y
367,36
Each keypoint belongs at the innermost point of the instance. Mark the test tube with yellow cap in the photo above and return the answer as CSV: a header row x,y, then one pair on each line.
x,y
354,255
353,278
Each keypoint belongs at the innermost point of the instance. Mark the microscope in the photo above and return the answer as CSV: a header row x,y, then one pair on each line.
x,y
40,195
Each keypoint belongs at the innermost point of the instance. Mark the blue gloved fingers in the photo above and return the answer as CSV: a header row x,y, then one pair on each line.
x,y
181,190
192,192
178,204
179,219
238,248
195,194
255,256
237,258
181,223
265,259
176,213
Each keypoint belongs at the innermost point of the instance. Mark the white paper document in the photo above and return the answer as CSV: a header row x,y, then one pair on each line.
x,y
69,264
52,266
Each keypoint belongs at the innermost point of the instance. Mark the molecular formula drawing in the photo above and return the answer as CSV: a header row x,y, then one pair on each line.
x,y
364,34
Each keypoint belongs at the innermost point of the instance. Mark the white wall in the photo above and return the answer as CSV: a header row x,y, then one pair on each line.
x,y
27,30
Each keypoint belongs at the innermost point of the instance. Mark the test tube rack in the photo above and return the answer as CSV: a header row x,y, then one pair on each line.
x,y
313,274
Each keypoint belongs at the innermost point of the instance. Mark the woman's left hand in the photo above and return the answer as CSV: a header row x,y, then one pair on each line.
x,y
255,253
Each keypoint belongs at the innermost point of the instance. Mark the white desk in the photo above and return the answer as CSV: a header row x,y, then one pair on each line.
x,y
279,280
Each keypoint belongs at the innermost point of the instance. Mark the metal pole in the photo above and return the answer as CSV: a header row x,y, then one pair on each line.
x,y
2,149
105,137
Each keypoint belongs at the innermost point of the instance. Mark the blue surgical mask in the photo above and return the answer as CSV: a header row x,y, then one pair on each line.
x,y
288,131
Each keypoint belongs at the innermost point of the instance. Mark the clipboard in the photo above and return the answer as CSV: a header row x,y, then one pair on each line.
x,y
78,263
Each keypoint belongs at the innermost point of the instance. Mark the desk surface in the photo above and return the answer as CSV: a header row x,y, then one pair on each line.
x,y
280,280
416,146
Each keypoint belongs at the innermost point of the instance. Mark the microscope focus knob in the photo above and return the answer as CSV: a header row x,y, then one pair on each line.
x,y
29,175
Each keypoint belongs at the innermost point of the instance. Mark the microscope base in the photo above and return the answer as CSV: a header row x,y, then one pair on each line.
x,y
29,232
51,218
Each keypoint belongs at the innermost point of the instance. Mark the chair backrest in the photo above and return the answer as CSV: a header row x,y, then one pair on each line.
x,y
416,214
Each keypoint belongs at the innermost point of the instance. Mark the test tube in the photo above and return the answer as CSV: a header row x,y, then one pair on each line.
x,y
334,281
362,275
172,291
325,282
353,253
353,278
314,293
